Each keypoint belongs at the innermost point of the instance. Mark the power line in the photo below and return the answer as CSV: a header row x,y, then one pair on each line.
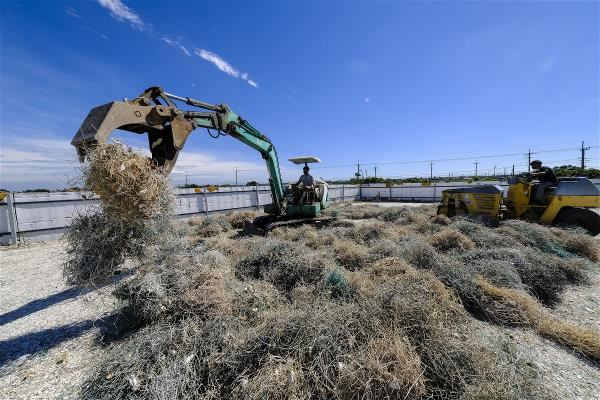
x,y
461,158
479,170
363,171
466,158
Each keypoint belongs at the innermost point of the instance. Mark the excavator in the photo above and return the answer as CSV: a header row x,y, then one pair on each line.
x,y
154,112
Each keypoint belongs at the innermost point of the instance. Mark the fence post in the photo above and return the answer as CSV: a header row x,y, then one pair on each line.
x,y
343,194
205,201
434,192
360,192
12,217
258,198
390,198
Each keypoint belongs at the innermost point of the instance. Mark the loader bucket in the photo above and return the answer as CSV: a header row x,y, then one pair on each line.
x,y
167,130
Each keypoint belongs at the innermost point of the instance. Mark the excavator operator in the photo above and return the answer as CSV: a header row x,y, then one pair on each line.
x,y
546,177
307,181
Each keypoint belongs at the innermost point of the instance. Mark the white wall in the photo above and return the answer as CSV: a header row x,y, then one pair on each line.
x,y
43,216
415,191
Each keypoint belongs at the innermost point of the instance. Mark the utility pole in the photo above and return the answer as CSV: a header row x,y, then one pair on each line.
x,y
430,171
236,176
504,172
529,161
494,171
375,171
583,149
476,165
186,174
357,174
513,173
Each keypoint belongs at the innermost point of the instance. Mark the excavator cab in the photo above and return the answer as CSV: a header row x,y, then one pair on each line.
x,y
307,201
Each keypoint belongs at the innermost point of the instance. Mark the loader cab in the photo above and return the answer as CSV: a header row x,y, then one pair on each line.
x,y
567,203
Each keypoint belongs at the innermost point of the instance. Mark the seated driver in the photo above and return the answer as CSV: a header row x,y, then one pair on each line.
x,y
546,177
307,180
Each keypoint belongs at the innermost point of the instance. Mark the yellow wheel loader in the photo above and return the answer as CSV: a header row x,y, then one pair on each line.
x,y
569,203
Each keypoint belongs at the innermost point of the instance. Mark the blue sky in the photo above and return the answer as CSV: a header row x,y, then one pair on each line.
x,y
392,84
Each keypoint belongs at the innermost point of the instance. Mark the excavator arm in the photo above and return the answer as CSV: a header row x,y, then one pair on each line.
x,y
154,112
229,123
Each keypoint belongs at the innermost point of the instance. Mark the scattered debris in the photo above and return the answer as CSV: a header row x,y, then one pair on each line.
x,y
381,307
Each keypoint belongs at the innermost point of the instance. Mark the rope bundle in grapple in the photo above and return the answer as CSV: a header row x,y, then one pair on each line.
x,y
136,210
128,183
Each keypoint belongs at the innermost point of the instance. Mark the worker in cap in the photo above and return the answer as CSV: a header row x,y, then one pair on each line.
x,y
546,177
307,181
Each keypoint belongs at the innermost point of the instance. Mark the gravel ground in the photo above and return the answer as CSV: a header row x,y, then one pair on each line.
x,y
49,332
581,304
563,374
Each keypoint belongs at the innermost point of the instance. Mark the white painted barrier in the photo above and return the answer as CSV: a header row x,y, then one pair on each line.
x,y
44,216
415,192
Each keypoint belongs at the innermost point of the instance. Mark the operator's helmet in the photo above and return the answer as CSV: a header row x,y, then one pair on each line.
x,y
536,162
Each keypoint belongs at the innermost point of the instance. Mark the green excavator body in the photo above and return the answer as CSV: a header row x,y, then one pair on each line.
x,y
154,112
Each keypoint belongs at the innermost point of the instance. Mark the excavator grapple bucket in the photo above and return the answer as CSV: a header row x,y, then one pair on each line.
x,y
166,128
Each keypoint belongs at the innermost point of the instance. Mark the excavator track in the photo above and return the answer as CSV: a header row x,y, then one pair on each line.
x,y
299,221
264,224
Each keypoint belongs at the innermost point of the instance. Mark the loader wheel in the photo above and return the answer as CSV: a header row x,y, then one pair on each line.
x,y
580,217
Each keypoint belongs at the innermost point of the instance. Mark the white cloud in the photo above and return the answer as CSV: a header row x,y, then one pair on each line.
x,y
72,12
51,163
175,43
204,167
187,53
367,99
121,12
37,163
224,66
218,62
549,63
89,29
